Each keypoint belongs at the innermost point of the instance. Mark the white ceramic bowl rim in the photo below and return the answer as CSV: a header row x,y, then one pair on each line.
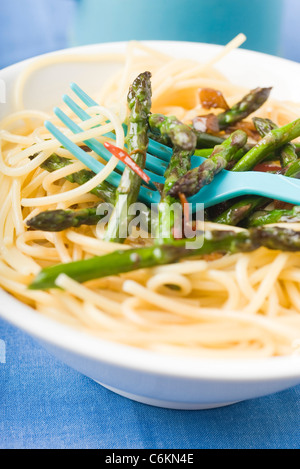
x,y
85,345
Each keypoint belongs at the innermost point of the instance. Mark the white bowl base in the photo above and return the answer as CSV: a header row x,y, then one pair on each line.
x,y
166,404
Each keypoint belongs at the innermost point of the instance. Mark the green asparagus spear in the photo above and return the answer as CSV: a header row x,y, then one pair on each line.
x,y
133,259
180,135
183,140
55,162
265,217
287,154
249,104
180,164
240,210
293,171
59,220
105,191
139,102
203,140
206,141
196,178
264,126
270,143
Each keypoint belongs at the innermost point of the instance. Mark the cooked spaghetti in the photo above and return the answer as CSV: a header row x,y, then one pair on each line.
x,y
244,305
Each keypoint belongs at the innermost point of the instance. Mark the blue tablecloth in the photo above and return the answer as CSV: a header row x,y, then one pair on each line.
x,y
44,404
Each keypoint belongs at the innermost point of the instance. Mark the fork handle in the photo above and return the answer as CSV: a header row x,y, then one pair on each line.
x,y
274,186
228,185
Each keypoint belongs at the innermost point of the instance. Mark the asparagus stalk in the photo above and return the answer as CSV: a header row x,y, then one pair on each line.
x,y
241,210
293,171
264,126
287,154
139,102
120,262
249,104
183,140
170,128
222,155
59,220
265,217
203,140
180,164
270,143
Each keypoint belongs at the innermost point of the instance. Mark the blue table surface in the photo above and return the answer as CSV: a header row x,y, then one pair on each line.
x,y
45,404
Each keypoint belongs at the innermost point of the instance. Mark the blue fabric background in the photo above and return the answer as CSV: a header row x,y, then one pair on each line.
x,y
43,403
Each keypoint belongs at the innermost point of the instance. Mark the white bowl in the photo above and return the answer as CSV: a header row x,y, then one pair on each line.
x,y
151,378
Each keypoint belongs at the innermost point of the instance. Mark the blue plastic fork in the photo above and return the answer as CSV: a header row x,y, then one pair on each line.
x,y
226,185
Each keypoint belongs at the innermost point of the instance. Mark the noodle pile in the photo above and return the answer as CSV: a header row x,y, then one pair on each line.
x,y
238,306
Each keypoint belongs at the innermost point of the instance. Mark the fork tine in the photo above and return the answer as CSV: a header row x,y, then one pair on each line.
x,y
152,162
81,113
80,154
85,98
154,178
159,151
93,144
147,195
